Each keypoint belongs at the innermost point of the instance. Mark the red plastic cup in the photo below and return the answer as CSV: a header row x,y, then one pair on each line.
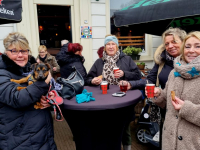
x,y
115,69
150,90
104,87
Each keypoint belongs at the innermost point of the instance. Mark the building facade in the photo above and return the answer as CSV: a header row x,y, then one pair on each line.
x,y
93,13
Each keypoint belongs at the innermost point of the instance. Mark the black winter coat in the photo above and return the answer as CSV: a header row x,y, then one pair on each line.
x,y
21,126
152,76
125,63
68,59
64,48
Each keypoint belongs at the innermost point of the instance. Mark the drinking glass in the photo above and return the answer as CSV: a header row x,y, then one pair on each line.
x,y
123,86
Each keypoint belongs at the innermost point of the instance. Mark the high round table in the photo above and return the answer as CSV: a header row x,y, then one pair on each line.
x,y
99,124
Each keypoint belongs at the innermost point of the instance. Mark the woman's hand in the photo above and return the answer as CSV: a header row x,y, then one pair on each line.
x,y
96,81
157,91
178,103
38,60
125,82
44,103
54,68
119,74
48,78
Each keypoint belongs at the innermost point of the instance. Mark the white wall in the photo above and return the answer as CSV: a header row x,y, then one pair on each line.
x,y
100,12
151,44
5,30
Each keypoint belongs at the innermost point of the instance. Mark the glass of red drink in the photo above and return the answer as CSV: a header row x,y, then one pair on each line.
x,y
123,86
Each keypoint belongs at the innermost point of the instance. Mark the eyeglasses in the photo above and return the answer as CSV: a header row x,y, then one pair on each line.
x,y
42,52
16,52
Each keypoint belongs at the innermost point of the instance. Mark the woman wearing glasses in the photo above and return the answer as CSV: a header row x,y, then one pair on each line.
x,y
45,57
21,126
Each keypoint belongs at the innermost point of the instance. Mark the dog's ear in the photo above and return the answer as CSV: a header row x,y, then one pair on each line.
x,y
48,66
33,66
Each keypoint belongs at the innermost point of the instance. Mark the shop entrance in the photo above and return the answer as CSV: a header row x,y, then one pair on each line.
x,y
54,23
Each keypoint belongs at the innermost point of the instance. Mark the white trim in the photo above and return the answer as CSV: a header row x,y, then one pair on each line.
x,y
54,2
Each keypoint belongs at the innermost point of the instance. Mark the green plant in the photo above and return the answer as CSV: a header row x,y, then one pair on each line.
x,y
132,50
140,63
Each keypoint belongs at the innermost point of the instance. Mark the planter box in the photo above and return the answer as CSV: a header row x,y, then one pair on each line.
x,y
141,67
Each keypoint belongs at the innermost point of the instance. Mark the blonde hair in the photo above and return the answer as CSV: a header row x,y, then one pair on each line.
x,y
175,32
16,39
42,47
107,36
195,34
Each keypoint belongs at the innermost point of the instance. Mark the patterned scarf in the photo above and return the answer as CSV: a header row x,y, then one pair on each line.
x,y
187,70
110,63
184,71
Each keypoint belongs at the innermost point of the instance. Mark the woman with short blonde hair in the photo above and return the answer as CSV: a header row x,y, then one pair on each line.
x,y
45,57
21,125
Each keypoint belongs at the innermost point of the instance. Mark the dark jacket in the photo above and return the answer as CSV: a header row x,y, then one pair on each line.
x,y
21,126
32,59
160,56
64,48
125,63
68,59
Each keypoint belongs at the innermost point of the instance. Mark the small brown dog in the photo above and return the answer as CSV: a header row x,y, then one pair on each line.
x,y
40,73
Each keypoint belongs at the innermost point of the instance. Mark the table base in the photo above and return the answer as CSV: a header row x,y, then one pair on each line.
x,y
99,130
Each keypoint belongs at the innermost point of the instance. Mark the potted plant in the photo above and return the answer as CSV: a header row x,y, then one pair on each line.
x,y
140,65
133,52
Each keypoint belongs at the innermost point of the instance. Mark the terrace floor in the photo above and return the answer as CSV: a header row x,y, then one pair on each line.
x,y
64,138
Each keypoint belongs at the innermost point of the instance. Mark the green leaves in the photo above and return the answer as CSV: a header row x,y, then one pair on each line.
x,y
132,50
140,63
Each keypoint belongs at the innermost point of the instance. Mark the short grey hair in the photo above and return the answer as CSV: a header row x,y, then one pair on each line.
x,y
16,39
64,42
175,32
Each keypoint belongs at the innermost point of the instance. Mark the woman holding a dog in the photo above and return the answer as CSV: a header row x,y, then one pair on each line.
x,y
21,125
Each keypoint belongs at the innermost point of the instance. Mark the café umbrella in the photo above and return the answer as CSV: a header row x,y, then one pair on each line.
x,y
155,16
10,11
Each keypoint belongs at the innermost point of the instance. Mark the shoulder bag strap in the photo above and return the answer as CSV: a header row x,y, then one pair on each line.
x,y
159,70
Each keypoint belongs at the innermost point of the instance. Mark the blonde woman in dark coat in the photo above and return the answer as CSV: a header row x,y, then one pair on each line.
x,y
181,129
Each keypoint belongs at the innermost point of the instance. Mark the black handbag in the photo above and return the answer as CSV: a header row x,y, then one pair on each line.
x,y
73,85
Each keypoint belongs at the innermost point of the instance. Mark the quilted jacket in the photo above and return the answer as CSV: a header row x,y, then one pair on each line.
x,y
21,126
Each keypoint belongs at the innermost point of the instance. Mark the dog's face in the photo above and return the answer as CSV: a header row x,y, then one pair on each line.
x,y
40,71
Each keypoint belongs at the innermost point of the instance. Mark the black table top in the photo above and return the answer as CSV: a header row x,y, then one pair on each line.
x,y
104,101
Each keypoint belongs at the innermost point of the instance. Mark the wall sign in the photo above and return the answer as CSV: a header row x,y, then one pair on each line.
x,y
86,32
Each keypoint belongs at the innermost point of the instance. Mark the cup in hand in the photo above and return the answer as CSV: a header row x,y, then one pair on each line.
x,y
104,87
115,69
150,90
123,86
